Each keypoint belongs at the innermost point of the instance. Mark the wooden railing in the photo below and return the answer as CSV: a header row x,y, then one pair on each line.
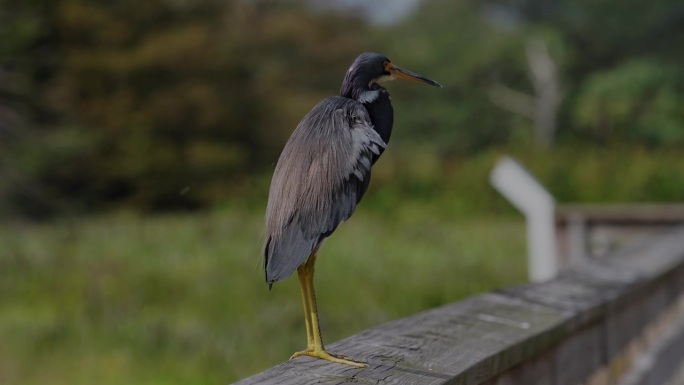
x,y
618,319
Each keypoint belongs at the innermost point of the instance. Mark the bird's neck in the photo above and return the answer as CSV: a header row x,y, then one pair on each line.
x,y
377,101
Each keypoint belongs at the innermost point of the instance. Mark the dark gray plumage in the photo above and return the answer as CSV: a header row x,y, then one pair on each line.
x,y
321,175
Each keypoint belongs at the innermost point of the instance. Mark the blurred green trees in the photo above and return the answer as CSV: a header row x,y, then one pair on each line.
x,y
639,101
174,104
138,102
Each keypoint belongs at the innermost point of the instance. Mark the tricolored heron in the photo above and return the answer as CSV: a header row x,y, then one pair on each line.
x,y
321,176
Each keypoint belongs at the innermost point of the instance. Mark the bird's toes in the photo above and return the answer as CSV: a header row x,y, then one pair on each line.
x,y
324,355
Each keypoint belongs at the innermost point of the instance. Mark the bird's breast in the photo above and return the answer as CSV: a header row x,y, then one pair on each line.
x,y
381,114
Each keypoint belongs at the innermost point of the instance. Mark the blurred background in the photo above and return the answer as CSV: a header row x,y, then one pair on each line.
x,y
137,141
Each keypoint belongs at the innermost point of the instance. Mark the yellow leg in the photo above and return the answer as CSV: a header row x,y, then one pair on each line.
x,y
315,346
307,309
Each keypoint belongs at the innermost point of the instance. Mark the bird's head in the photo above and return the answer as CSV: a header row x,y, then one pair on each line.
x,y
369,69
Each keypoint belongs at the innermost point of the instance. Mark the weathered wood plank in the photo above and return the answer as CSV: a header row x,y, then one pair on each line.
x,y
662,361
649,213
435,345
479,338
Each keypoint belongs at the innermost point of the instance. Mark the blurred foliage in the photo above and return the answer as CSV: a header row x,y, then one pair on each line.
x,y
177,104
639,101
143,100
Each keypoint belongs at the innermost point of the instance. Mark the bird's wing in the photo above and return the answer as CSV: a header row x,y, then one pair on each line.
x,y
321,175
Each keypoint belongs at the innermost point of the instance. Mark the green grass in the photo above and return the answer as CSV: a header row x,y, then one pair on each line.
x,y
180,299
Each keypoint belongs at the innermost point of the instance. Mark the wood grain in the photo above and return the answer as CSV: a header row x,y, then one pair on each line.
x,y
583,317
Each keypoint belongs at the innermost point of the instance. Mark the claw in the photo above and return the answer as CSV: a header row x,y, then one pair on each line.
x,y
324,355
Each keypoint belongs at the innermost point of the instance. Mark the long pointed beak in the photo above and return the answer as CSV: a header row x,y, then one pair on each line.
x,y
400,73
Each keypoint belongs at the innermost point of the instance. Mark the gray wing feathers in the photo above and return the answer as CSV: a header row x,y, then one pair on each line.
x,y
316,183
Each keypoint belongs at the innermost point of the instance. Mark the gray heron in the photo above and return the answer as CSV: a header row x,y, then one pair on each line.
x,y
322,174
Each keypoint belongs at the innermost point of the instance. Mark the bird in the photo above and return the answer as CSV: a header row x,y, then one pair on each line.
x,y
321,175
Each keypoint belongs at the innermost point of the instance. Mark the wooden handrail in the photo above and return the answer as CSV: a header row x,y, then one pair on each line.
x,y
575,328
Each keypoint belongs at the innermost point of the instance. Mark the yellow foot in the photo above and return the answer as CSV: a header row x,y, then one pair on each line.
x,y
324,355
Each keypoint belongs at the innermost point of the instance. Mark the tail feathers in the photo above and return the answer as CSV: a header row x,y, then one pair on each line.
x,y
285,253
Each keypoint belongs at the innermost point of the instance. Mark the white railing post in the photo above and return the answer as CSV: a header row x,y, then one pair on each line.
x,y
523,190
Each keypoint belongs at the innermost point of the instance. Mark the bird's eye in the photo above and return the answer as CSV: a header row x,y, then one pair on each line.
x,y
385,66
